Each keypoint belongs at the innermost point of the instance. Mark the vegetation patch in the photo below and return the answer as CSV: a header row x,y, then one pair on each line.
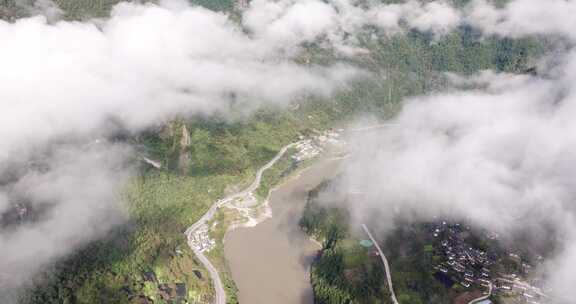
x,y
344,271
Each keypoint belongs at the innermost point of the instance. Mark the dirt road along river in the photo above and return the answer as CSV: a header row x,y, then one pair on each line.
x,y
270,262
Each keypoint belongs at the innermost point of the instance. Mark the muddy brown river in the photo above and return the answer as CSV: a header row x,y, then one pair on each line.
x,y
270,262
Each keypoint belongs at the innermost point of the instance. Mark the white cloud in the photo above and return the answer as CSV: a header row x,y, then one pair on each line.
x,y
143,65
64,81
501,154
75,200
496,154
502,157
524,17
291,22
437,17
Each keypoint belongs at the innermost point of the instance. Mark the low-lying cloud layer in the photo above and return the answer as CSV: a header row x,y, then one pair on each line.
x,y
502,154
64,82
525,17
339,21
74,198
142,65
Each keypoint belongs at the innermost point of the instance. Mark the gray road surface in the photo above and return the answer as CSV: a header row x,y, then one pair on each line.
x,y
385,262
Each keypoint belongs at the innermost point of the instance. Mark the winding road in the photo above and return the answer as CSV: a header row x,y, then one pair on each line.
x,y
385,262
484,297
389,276
373,127
220,294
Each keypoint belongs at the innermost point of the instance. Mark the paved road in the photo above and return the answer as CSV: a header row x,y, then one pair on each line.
x,y
525,285
220,294
484,297
373,127
385,262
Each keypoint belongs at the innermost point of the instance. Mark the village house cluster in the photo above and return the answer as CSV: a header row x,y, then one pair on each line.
x,y
312,147
200,239
457,261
